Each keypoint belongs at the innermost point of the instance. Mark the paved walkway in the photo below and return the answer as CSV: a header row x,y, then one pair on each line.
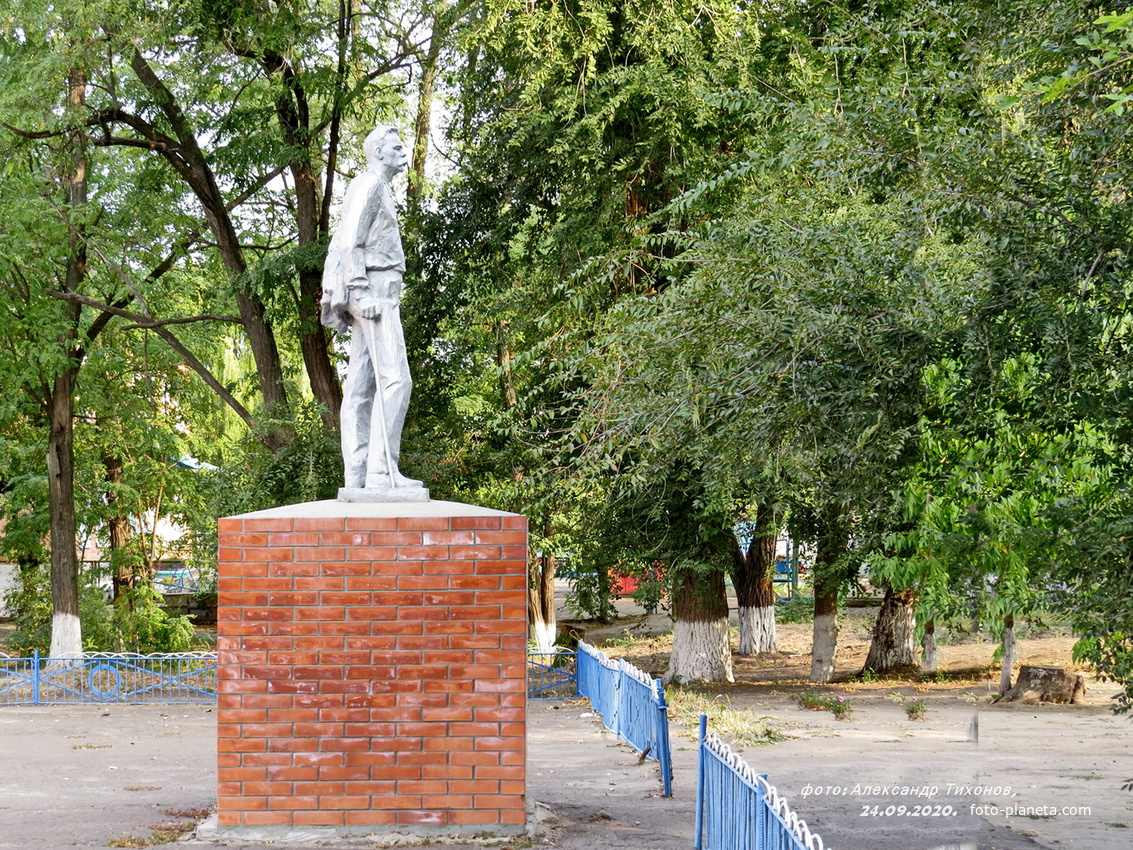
x,y
82,776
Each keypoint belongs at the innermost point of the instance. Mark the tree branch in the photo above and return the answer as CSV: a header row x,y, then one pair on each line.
x,y
187,357
152,323
32,134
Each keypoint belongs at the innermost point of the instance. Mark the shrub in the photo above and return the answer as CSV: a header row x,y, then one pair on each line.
x,y
135,622
839,706
916,709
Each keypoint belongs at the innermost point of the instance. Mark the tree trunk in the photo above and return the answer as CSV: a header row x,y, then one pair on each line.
x,y
825,644
422,126
541,601
503,362
1046,684
755,592
929,663
192,166
66,631
118,529
892,648
701,649
314,342
1008,654
831,546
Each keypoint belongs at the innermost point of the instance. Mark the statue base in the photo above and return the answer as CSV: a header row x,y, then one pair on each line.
x,y
383,494
372,672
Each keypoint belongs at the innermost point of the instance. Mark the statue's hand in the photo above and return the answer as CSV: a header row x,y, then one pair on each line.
x,y
368,308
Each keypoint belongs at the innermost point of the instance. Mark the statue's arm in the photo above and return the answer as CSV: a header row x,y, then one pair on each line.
x,y
359,208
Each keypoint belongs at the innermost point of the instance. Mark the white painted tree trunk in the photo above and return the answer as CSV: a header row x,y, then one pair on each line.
x,y
824,648
701,652
542,635
541,626
66,639
929,663
757,630
1008,654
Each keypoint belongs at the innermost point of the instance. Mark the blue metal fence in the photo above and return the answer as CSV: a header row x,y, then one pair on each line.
x,y
99,677
736,809
551,675
632,706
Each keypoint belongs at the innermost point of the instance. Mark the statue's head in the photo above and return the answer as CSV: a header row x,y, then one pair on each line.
x,y
384,150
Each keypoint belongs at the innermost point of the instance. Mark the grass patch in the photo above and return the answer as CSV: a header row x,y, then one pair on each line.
x,y
739,725
814,701
189,814
160,833
626,638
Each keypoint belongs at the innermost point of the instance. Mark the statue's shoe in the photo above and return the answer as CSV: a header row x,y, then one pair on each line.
x,y
381,481
378,489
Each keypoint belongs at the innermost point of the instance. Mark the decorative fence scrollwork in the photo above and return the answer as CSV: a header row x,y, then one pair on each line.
x,y
105,677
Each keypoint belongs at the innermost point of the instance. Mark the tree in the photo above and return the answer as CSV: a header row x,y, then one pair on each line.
x,y
1014,158
566,153
53,387
752,577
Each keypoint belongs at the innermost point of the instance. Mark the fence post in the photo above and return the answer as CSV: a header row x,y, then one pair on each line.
x,y
574,672
700,784
762,814
615,724
664,757
35,677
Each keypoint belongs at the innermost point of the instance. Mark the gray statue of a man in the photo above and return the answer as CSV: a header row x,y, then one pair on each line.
x,y
362,282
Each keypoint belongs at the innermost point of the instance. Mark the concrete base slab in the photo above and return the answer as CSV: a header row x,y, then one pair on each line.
x,y
418,493
209,830
329,508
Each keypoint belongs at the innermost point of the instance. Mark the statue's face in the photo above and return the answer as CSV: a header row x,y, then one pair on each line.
x,y
392,156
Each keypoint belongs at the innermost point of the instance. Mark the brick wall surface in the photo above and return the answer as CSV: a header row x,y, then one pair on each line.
x,y
372,671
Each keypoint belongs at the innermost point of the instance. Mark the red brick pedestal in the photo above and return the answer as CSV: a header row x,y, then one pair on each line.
x,y
372,670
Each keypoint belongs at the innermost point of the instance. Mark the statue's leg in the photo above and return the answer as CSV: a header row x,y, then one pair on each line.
x,y
396,381
356,413
381,467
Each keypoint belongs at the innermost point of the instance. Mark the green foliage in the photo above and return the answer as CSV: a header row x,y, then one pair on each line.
x,y
141,625
870,262
813,700
135,622
798,609
916,709
591,593
1103,69
308,468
